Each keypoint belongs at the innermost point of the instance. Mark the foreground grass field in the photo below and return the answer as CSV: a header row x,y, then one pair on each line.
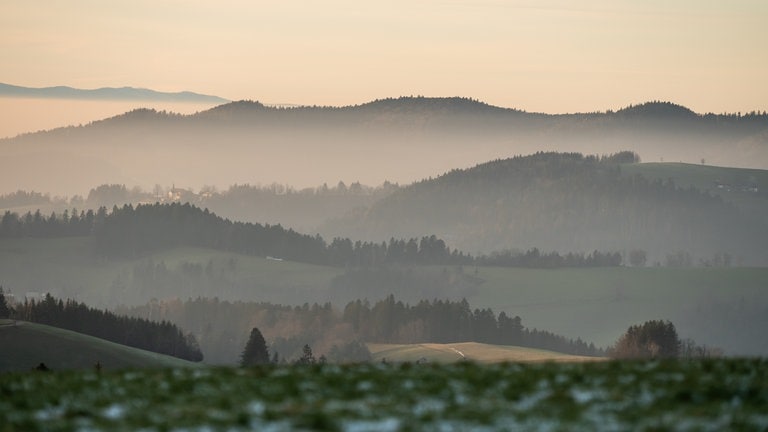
x,y
710,395
24,345
471,351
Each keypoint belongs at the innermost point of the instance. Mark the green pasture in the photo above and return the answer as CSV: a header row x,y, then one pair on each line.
x,y
68,268
722,307
24,345
705,178
702,177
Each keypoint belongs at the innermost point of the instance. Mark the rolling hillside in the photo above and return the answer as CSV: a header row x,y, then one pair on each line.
x,y
67,268
472,351
746,188
567,202
401,140
25,345
720,307
723,307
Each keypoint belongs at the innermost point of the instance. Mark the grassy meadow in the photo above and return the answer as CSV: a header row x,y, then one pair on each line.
x,y
723,307
67,268
707,178
25,345
702,177
704,395
467,351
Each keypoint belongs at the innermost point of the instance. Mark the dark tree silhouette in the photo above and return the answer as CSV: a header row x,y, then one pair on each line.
x,y
255,351
5,310
652,339
160,337
306,357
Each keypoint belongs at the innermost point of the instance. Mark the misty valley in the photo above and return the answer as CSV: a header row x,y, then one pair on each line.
x,y
477,268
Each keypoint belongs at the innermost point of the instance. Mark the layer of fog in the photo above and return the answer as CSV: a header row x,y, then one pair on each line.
x,y
306,148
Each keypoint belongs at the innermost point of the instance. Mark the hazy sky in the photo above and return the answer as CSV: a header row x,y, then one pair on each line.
x,y
537,55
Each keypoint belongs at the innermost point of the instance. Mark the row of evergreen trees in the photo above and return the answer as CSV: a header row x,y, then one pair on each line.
x,y
445,321
658,339
65,224
160,337
224,327
135,231
535,258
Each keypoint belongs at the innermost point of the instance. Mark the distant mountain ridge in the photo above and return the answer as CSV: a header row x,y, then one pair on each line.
x,y
105,93
458,104
400,140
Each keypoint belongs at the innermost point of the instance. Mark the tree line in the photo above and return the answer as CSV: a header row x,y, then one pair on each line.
x,y
562,202
445,321
130,231
223,328
160,337
658,339
535,258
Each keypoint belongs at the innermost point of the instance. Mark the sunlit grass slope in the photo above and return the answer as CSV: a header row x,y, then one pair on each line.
x,y
477,352
25,345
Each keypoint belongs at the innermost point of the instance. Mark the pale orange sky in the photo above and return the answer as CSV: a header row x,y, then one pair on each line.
x,y
537,55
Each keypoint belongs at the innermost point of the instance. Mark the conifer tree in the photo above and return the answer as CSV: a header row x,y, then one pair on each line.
x,y
652,339
306,357
255,352
5,310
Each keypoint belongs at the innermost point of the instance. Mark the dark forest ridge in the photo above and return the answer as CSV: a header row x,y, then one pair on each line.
x,y
409,105
104,93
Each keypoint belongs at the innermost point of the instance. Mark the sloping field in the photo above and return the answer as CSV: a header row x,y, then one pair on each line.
x,y
744,187
25,345
721,307
473,351
67,268
702,177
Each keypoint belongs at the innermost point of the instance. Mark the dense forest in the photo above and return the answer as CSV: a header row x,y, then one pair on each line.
x,y
160,337
222,328
523,211
566,202
302,209
135,231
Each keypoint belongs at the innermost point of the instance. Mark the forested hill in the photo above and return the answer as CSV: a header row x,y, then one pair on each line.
x,y
400,140
159,337
565,202
132,232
